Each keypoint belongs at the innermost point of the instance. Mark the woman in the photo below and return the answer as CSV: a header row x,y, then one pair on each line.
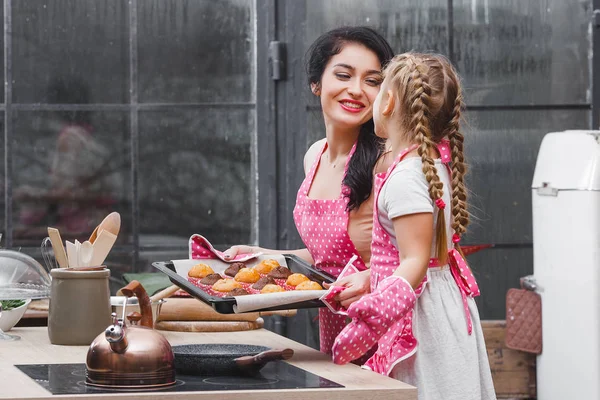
x,y
334,206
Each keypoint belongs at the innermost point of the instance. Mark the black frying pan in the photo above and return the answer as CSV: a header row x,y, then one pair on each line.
x,y
225,359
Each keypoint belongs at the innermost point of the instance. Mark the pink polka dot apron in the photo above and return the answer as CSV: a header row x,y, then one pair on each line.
x,y
399,343
323,227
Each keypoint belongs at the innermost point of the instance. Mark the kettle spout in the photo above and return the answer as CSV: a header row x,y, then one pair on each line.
x,y
116,335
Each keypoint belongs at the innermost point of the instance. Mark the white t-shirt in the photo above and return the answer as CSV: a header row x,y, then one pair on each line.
x,y
406,192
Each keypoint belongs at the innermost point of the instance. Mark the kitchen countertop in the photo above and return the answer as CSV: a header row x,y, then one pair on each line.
x,y
35,348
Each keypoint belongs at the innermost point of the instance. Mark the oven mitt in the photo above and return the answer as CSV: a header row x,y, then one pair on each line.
x,y
200,248
328,297
372,316
331,303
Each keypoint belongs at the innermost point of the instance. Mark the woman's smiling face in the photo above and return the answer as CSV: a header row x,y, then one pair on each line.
x,y
349,86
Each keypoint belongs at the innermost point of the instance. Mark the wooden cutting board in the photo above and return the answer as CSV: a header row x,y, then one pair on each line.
x,y
39,305
209,326
190,309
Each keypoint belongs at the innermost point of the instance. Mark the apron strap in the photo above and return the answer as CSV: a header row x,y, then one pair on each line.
x,y
463,276
311,173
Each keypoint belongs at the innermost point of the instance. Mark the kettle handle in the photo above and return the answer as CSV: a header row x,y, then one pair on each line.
x,y
135,288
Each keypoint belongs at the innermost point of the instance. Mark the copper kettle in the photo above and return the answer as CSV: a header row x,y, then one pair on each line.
x,y
132,355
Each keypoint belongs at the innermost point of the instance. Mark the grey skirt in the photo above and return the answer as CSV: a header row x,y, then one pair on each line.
x,y
449,363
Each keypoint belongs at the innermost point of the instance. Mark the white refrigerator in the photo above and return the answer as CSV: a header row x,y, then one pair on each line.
x,y
566,252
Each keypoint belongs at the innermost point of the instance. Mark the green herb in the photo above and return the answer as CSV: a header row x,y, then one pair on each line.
x,y
10,304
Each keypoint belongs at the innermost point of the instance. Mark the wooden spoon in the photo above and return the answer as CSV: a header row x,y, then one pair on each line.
x,y
86,252
102,246
112,223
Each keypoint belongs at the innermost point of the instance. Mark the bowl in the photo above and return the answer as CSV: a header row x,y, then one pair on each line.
x,y
9,318
116,303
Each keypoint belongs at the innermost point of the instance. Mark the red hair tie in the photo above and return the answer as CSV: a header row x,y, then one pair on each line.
x,y
455,238
440,204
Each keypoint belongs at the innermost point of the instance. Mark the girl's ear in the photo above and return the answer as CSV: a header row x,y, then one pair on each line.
x,y
315,88
389,103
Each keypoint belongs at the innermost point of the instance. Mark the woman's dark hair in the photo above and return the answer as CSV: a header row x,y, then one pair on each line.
x,y
359,177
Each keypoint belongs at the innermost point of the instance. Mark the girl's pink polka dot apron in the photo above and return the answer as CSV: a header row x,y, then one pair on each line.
x,y
399,343
323,227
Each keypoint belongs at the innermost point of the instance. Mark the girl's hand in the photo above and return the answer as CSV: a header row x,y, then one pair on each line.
x,y
372,316
357,285
240,249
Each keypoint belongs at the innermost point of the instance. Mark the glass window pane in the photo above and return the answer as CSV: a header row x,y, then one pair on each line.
x,y
2,183
2,53
195,51
69,171
80,44
120,261
178,251
407,25
404,24
195,175
523,51
501,149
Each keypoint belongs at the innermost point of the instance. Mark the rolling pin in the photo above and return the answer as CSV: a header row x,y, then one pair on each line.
x,y
190,309
164,293
209,326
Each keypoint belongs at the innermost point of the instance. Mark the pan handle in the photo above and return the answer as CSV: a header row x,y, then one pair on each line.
x,y
264,357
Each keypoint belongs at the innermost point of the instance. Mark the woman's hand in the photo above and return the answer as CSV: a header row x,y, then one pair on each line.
x,y
357,285
233,251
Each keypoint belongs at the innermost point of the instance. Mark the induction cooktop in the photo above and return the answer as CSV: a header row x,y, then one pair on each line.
x,y
70,379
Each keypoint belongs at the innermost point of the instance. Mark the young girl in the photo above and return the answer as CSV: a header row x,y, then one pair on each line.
x,y
421,287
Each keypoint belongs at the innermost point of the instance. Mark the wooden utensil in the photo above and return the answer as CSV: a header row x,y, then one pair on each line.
x,y
190,309
72,254
86,252
101,247
208,326
178,309
164,293
112,223
78,253
57,246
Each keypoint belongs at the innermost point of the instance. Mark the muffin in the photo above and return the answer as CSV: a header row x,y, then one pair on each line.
x,y
226,285
234,268
296,279
265,266
247,275
271,288
309,285
262,282
210,279
238,292
279,273
200,271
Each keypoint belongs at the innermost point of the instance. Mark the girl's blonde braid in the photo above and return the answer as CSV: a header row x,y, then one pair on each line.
x,y
459,169
420,123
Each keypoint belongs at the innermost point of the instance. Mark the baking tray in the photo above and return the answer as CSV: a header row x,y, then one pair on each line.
x,y
226,305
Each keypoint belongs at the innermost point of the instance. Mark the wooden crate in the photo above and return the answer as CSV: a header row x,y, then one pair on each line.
x,y
513,371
